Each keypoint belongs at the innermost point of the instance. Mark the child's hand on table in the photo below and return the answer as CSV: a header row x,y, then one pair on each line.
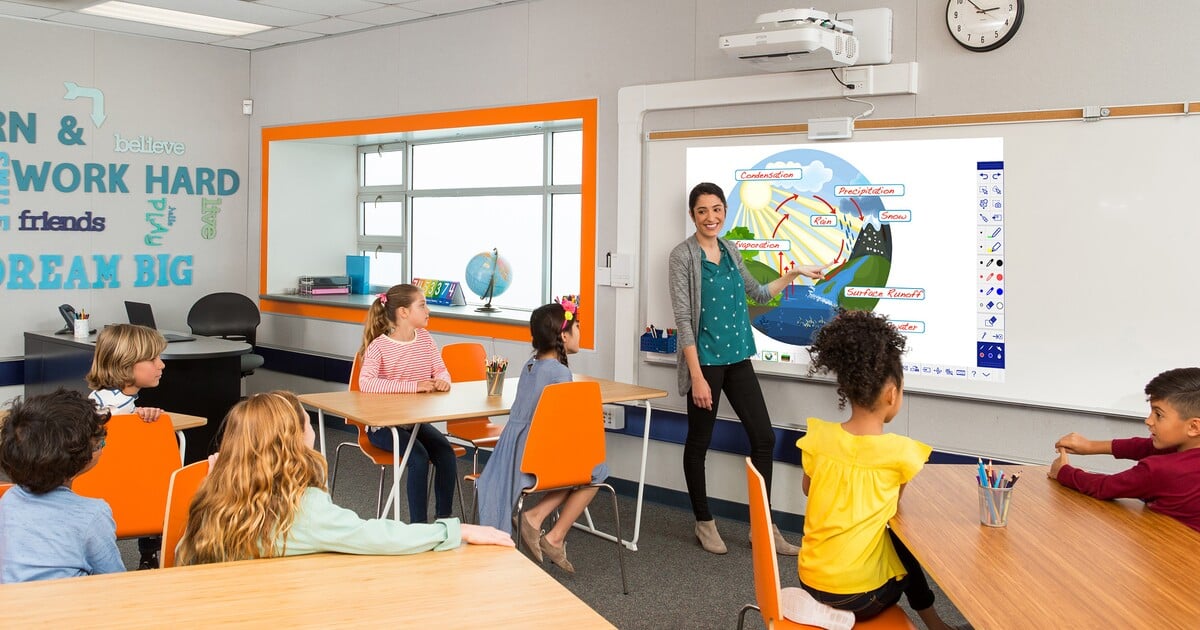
x,y
482,535
148,414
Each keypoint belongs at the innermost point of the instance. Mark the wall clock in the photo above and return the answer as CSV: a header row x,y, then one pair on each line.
x,y
983,25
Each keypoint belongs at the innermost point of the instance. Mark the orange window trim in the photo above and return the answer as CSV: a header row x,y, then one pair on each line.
x,y
565,110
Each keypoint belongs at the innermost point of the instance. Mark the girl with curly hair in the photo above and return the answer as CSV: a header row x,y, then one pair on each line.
x,y
854,473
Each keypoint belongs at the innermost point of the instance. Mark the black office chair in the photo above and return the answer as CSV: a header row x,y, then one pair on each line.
x,y
228,316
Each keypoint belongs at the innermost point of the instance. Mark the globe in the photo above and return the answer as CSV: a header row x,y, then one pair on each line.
x,y
482,268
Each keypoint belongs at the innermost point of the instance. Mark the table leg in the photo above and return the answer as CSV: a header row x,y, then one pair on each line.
x,y
398,463
321,430
637,518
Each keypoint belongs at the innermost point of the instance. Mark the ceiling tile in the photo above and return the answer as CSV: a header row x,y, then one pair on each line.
x,y
439,7
283,35
24,10
332,26
386,15
330,8
242,43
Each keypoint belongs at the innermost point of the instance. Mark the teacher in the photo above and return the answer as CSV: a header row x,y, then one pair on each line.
x,y
715,347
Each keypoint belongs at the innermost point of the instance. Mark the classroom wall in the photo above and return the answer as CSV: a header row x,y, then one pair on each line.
x,y
185,95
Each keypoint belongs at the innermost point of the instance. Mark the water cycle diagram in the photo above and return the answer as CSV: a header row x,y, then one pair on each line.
x,y
806,206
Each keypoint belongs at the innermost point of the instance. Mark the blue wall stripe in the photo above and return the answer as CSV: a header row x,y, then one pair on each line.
x,y
12,373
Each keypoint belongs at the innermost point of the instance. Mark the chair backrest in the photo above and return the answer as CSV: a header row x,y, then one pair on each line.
x,y
229,315
762,543
133,473
465,361
4,488
355,371
566,437
183,486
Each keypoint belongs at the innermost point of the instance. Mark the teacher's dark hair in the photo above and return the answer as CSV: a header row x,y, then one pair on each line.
x,y
704,188
863,349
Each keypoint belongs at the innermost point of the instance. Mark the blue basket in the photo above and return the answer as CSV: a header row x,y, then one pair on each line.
x,y
665,345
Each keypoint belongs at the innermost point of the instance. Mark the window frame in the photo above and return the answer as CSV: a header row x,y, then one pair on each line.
x,y
362,132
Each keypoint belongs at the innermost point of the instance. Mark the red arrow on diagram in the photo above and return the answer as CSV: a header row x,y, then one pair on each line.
x,y
785,218
856,206
794,196
818,198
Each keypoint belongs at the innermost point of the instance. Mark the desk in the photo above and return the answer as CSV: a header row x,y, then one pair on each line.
x,y
469,587
467,399
1065,560
201,377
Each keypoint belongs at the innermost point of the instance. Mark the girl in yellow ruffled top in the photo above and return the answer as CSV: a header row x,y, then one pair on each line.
x,y
854,474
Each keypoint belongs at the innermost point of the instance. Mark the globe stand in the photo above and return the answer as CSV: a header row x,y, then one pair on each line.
x,y
488,308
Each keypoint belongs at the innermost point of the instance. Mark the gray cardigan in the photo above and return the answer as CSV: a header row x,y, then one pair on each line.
x,y
684,283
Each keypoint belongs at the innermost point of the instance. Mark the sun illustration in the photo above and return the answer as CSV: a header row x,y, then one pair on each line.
x,y
756,195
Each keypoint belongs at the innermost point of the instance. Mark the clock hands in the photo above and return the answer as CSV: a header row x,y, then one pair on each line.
x,y
979,9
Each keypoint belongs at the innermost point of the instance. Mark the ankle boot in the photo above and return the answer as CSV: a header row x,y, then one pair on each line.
x,y
782,546
710,539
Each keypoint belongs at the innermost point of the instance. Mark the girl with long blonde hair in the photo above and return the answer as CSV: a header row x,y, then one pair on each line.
x,y
265,497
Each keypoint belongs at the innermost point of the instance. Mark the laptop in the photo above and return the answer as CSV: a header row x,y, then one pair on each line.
x,y
141,314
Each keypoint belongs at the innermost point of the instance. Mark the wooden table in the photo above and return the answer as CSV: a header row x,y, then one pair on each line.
x,y
466,399
469,587
1065,560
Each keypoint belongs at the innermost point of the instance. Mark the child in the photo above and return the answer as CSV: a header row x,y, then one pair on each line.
x,y
265,497
47,531
399,355
1167,473
555,331
125,362
853,475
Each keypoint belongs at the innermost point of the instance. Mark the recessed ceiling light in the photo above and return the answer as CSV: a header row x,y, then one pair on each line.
x,y
173,19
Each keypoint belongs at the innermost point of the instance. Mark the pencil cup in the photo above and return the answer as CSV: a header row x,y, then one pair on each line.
x,y
81,328
495,383
993,506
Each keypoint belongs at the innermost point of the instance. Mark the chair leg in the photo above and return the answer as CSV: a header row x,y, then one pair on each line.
x,y
475,502
742,614
462,505
520,515
620,545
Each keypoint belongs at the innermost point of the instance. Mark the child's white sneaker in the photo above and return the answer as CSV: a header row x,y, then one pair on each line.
x,y
798,605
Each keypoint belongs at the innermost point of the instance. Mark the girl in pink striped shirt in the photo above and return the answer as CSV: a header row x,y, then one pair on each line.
x,y
399,356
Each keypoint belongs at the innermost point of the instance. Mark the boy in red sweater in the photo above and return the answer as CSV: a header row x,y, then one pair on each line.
x,y
1167,473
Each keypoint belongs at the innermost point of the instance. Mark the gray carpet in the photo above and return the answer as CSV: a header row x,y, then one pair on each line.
x,y
673,583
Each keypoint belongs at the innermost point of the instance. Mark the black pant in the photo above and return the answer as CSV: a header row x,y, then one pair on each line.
x,y
873,603
740,384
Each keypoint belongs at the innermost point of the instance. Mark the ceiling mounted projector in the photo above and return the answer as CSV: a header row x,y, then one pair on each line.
x,y
808,39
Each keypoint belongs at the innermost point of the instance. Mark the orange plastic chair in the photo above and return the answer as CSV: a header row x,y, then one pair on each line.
x,y
766,569
565,442
378,456
133,473
466,362
4,488
184,484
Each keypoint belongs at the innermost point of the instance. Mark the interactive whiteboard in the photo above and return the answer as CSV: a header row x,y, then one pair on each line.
x,y
1045,263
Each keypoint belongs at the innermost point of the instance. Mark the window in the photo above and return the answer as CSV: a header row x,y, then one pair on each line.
x,y
420,195
426,206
